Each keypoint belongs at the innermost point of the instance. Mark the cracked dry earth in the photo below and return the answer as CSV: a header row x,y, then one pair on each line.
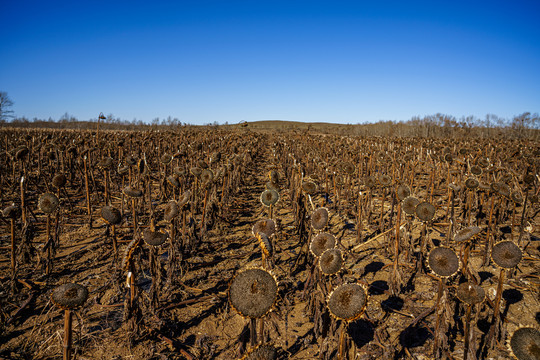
x,y
194,317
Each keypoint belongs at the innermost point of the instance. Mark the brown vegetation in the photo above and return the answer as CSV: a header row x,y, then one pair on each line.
x,y
359,247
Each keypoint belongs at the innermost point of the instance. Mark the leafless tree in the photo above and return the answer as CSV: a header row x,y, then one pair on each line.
x,y
5,106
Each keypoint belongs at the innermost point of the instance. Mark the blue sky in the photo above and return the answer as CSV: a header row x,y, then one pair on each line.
x,y
226,61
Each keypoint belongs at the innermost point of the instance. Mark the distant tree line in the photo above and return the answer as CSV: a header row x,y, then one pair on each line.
x,y
110,122
525,125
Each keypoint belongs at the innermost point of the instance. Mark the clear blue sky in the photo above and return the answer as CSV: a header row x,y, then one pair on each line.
x,y
335,61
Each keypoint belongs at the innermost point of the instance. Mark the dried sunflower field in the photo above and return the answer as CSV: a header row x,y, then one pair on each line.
x,y
234,243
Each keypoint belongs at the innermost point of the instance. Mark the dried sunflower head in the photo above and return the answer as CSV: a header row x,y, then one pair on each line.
x,y
331,261
48,203
347,301
267,226
443,261
470,293
69,296
409,205
525,343
506,254
111,215
253,292
269,197
321,243
425,211
467,233
319,218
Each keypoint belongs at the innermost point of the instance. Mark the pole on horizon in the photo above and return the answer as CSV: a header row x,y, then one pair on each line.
x,y
100,117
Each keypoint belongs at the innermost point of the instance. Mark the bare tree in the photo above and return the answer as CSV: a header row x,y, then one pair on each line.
x,y
525,124
5,106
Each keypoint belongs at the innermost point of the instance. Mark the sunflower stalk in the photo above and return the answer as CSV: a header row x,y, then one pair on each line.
x,y
67,335
253,331
395,281
311,202
86,185
488,237
523,218
496,309
115,243
49,245
203,230
342,342
440,338
359,219
467,334
13,257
